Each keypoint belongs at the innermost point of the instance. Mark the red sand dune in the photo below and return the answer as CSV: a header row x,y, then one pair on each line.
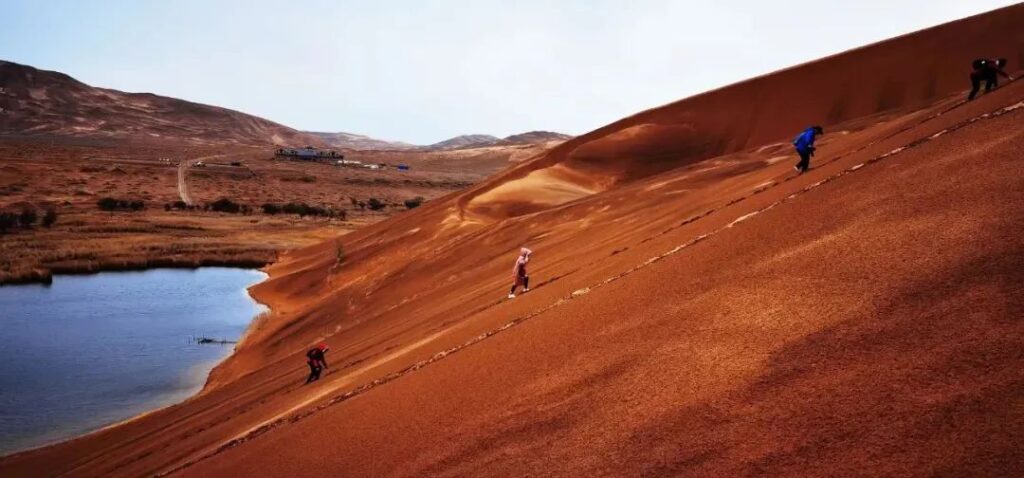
x,y
903,73
697,308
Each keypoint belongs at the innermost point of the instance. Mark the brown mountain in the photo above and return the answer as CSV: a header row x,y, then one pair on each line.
x,y
484,140
47,103
535,137
360,142
467,141
464,141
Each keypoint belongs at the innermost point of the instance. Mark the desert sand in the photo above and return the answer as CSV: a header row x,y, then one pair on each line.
x,y
697,308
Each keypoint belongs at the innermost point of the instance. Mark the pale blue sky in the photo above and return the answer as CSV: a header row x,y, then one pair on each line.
x,y
423,71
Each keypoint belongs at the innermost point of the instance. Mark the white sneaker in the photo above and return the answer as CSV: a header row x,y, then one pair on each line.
x,y
796,168
511,296
526,290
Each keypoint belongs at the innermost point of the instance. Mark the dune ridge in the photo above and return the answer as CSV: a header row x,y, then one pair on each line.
x,y
697,309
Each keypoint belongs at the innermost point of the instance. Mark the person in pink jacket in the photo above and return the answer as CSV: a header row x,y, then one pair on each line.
x,y
519,275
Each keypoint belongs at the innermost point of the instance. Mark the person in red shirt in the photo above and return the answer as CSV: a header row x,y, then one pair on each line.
x,y
317,361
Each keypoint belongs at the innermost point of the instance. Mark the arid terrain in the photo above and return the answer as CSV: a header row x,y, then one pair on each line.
x,y
40,102
70,178
697,308
357,142
64,146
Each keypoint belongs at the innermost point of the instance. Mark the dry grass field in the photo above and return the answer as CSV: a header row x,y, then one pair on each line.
x,y
70,177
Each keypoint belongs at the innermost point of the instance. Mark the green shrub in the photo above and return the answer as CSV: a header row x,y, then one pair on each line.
x,y
107,204
8,221
28,217
50,218
111,204
225,205
302,210
295,208
414,202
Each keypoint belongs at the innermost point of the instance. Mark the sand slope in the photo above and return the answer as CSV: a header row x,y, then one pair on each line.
x,y
697,308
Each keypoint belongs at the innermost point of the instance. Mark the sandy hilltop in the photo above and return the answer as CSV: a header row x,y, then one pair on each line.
x,y
697,308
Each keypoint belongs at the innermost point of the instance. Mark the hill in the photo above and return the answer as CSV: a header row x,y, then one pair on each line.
x,y
469,141
464,141
48,103
360,142
485,140
535,137
696,307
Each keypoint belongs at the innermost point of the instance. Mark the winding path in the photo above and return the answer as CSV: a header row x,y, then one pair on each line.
x,y
183,174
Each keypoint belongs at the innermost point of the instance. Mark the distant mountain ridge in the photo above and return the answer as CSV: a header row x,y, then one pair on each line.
x,y
358,141
466,141
535,137
37,102
49,103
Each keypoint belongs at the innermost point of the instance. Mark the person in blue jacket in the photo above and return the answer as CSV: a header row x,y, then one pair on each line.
x,y
804,144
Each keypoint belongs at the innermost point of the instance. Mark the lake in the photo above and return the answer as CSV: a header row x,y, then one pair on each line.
x,y
92,350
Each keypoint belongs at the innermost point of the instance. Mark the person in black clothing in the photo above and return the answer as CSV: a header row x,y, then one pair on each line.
x,y
988,71
316,361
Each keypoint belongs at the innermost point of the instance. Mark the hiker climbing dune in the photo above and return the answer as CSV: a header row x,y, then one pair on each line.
x,y
519,275
317,362
988,71
804,144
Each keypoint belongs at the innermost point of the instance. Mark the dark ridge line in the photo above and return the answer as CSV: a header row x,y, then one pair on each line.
x,y
577,293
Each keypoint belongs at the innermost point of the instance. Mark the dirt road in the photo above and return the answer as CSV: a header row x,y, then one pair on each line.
x,y
182,184
183,174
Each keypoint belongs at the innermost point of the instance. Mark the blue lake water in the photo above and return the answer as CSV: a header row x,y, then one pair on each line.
x,y
92,350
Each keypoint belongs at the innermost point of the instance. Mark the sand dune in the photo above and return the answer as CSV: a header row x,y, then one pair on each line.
x,y
899,74
697,308
538,190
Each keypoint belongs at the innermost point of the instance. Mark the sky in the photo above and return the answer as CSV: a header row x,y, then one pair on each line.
x,y
422,71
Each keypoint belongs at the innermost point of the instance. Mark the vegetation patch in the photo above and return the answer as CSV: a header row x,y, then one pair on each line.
x,y
112,204
414,202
